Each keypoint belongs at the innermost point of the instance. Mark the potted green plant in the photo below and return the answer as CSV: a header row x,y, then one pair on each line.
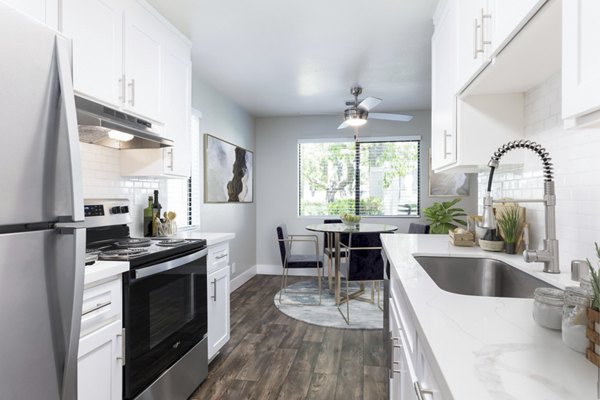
x,y
593,315
509,224
444,217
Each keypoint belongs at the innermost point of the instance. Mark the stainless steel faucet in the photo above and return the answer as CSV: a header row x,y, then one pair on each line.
x,y
549,254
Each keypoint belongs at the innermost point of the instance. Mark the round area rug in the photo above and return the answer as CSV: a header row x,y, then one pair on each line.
x,y
363,315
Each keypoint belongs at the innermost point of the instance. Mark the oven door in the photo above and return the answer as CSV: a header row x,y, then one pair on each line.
x,y
164,317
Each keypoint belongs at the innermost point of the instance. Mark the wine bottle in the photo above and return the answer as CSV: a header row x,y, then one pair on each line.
x,y
156,208
148,217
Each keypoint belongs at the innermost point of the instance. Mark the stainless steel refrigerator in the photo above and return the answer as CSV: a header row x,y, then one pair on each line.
x,y
42,250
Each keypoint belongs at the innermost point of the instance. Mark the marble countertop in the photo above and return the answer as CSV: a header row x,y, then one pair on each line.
x,y
487,347
101,270
212,238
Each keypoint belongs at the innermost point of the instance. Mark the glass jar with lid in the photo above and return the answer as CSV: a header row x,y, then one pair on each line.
x,y
548,307
574,319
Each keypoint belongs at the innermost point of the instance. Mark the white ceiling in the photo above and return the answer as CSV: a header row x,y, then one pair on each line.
x,y
286,57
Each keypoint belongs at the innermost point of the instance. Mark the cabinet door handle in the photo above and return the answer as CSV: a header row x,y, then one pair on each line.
x,y
170,155
96,307
446,136
132,97
421,392
221,256
214,296
122,336
484,16
122,90
475,41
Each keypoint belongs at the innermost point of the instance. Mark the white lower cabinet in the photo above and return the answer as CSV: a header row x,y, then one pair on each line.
x,y
411,372
101,354
218,297
99,364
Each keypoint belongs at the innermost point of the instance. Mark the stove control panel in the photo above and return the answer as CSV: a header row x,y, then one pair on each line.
x,y
93,210
106,212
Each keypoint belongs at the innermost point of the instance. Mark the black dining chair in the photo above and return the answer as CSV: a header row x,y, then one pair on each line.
x,y
329,250
363,262
418,228
290,260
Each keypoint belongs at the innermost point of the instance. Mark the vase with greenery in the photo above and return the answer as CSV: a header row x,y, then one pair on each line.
x,y
444,217
509,224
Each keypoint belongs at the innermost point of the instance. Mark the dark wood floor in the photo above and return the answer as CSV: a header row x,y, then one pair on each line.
x,y
272,356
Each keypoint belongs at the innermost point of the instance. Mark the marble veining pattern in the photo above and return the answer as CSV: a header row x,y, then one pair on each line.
x,y
486,347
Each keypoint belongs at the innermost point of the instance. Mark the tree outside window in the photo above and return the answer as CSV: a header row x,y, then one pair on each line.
x,y
377,178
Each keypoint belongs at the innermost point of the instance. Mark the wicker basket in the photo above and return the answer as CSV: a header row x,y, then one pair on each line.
x,y
593,336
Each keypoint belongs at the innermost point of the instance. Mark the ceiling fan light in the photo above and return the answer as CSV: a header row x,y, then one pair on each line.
x,y
355,116
356,121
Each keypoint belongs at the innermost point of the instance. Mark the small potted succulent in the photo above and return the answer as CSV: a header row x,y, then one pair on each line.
x,y
509,224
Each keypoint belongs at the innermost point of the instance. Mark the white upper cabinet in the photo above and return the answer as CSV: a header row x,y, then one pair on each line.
x,y
506,16
143,60
45,11
177,92
96,28
581,62
119,52
474,31
444,70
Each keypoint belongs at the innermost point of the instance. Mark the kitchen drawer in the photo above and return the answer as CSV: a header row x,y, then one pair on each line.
x,y
406,319
102,304
218,256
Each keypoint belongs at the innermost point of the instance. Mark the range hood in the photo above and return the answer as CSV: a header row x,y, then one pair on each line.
x,y
108,127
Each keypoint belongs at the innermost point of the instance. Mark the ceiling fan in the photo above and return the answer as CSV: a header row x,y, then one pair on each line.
x,y
358,111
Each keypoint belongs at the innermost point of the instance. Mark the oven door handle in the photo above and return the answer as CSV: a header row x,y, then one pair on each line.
x,y
167,265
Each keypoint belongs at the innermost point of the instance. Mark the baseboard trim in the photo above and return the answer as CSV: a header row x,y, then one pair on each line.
x,y
242,278
266,269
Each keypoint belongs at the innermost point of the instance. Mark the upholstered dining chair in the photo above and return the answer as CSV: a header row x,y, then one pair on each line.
x,y
330,252
290,260
418,228
362,263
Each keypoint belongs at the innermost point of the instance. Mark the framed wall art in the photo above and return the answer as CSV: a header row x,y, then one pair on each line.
x,y
447,184
228,172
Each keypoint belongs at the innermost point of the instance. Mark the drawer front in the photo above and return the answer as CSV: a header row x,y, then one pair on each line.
x,y
218,256
102,304
406,320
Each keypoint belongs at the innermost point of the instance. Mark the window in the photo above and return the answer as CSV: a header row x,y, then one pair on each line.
x,y
378,177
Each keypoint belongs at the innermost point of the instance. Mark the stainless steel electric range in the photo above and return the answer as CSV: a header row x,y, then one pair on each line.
x,y
164,304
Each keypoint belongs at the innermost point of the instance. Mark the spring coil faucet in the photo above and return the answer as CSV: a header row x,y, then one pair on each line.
x,y
549,254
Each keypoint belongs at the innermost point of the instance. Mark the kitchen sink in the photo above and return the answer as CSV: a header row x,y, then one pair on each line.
x,y
480,277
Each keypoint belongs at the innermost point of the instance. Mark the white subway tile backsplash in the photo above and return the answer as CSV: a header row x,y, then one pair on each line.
x,y
576,169
102,179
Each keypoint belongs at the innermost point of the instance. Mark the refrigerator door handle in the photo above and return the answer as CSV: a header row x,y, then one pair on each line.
x,y
73,315
72,132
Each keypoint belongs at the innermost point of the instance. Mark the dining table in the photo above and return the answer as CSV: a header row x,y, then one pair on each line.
x,y
335,231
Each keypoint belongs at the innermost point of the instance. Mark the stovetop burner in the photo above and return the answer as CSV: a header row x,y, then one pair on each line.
x,y
122,254
132,242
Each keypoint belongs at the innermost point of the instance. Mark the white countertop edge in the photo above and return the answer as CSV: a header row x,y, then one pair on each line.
x,y
211,238
484,347
102,270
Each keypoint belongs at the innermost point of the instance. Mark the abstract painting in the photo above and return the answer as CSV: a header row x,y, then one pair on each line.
x,y
448,184
228,172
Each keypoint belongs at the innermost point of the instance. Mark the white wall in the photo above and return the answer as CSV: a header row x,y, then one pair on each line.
x,y
226,120
576,162
277,173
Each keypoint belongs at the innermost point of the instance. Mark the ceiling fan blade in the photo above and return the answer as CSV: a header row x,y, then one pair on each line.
x,y
343,125
369,103
391,117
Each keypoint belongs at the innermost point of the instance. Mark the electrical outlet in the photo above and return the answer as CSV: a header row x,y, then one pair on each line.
x,y
233,268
